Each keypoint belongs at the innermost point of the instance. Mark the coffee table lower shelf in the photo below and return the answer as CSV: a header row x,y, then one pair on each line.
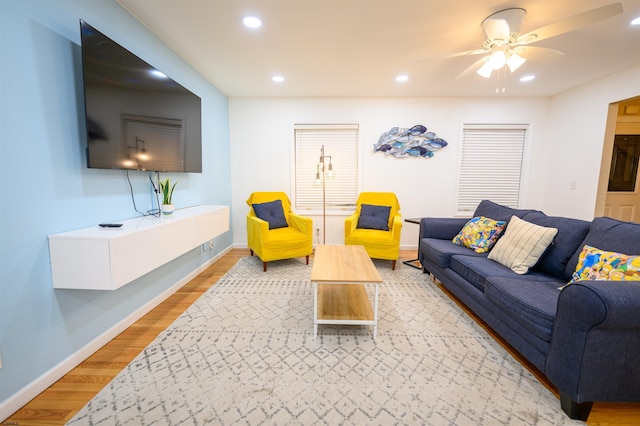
x,y
344,303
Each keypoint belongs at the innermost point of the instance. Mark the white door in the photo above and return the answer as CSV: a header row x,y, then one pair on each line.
x,y
623,195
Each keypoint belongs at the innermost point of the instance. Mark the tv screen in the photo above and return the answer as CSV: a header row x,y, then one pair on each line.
x,y
136,117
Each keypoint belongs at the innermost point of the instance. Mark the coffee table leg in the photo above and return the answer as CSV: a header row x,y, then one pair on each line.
x,y
315,309
375,314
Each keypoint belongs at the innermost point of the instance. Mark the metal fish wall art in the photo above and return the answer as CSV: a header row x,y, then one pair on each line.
x,y
412,142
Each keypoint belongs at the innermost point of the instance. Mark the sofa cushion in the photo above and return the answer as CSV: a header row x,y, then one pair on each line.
x,y
530,302
522,245
596,264
480,234
571,233
439,252
610,235
271,212
496,211
476,270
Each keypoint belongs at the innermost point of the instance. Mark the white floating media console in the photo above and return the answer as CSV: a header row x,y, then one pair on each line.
x,y
98,258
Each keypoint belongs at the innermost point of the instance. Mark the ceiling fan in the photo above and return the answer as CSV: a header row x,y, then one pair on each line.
x,y
505,46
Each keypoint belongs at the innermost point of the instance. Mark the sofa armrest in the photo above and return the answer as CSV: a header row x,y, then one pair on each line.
x,y
257,230
303,224
596,341
350,224
396,227
441,228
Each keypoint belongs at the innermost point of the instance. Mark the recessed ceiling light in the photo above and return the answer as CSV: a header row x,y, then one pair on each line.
x,y
252,21
277,78
401,78
527,78
636,21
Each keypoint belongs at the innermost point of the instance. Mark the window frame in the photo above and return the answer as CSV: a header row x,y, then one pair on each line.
x,y
465,209
346,165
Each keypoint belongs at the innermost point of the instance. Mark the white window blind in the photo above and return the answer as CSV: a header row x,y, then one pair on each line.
x,y
340,142
490,165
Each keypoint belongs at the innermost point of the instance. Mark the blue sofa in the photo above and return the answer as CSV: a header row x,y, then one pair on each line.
x,y
584,337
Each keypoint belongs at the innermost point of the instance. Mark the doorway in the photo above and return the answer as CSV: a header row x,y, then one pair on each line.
x,y
619,184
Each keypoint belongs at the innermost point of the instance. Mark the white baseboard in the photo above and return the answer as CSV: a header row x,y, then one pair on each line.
x,y
33,389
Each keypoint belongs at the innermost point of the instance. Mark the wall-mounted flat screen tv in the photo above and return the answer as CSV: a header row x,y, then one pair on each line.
x,y
136,117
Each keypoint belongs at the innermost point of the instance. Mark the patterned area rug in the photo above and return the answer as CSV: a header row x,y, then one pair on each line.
x,y
244,353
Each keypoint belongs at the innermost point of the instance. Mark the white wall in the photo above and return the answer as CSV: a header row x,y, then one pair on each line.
x,y
261,132
573,152
46,188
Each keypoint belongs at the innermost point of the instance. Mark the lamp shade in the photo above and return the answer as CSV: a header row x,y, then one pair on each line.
x,y
497,60
485,70
515,61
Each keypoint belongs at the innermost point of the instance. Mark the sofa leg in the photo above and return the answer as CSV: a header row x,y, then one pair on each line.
x,y
264,266
575,410
307,259
393,265
251,251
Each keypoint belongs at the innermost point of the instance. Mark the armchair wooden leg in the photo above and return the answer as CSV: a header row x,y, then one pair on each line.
x,y
251,251
307,259
264,266
393,265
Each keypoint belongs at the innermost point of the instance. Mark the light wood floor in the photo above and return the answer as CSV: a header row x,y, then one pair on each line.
x,y
60,402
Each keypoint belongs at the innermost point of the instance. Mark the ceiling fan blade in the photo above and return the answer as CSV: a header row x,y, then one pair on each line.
x,y
457,54
571,23
538,54
467,53
474,67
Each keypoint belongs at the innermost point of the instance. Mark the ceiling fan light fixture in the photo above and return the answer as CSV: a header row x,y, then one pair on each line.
x,y
486,70
515,61
497,60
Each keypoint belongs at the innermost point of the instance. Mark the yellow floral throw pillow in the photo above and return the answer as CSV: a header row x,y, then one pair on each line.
x,y
480,234
596,264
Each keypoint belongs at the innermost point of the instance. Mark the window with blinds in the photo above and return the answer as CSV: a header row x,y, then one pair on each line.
x,y
340,143
161,138
490,165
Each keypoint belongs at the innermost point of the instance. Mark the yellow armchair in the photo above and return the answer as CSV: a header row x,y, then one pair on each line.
x,y
380,243
293,237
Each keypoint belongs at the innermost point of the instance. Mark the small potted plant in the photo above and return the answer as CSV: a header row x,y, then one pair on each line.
x,y
167,192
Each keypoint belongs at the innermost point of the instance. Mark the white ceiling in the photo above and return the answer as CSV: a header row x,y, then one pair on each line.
x,y
351,48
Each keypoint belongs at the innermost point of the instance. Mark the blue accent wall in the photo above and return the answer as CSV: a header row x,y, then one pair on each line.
x,y
46,188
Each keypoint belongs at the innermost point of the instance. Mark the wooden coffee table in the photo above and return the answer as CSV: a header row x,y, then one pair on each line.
x,y
339,296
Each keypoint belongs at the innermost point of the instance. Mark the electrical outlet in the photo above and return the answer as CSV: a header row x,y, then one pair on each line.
x,y
208,246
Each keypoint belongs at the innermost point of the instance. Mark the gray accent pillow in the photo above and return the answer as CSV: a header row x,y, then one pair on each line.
x,y
271,212
374,217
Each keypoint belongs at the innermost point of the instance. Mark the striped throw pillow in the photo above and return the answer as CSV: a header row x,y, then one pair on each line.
x,y
522,245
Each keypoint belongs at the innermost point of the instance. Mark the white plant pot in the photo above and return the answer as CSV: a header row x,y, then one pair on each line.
x,y
167,209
